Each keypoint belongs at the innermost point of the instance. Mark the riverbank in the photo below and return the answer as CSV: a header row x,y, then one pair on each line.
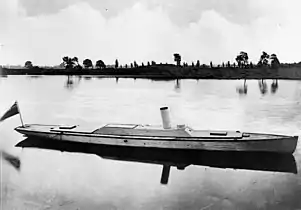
x,y
169,71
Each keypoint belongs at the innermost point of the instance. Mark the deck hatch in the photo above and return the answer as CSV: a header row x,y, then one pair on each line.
x,y
218,133
67,127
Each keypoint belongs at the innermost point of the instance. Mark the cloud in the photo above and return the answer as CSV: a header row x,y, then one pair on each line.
x,y
181,12
147,30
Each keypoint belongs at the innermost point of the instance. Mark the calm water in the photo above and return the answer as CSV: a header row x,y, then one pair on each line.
x,y
61,180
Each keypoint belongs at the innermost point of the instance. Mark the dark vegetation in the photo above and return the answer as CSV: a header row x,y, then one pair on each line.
x,y
268,67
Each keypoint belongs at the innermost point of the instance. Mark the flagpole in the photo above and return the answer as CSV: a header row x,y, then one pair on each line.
x,y
20,114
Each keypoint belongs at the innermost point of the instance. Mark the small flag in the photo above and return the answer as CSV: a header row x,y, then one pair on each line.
x,y
11,112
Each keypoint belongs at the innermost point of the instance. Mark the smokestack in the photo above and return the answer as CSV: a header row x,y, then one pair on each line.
x,y
165,117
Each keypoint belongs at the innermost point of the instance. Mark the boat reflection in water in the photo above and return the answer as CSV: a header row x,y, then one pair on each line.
x,y
173,158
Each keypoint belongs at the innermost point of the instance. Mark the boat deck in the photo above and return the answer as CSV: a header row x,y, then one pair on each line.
x,y
146,131
149,131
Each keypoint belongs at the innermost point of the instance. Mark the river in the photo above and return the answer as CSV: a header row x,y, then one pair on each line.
x,y
50,179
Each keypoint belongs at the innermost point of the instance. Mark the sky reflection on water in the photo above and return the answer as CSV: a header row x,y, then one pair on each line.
x,y
85,181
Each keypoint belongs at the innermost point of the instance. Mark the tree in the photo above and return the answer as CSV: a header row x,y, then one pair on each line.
x,y
142,64
131,65
245,58
71,62
116,63
242,59
274,61
75,60
68,62
177,58
251,65
135,64
28,64
264,59
87,63
77,66
153,63
100,64
197,63
148,64
238,60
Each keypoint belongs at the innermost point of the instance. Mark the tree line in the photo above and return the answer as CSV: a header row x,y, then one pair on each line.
x,y
72,63
242,61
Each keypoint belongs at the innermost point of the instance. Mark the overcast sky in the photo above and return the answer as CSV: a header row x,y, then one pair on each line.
x,y
44,31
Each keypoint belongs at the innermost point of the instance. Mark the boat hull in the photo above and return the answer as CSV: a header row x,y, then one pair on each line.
x,y
275,144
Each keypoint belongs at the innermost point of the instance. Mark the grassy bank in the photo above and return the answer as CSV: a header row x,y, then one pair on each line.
x,y
169,71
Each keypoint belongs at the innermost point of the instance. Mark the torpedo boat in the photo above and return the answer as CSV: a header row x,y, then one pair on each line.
x,y
164,136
